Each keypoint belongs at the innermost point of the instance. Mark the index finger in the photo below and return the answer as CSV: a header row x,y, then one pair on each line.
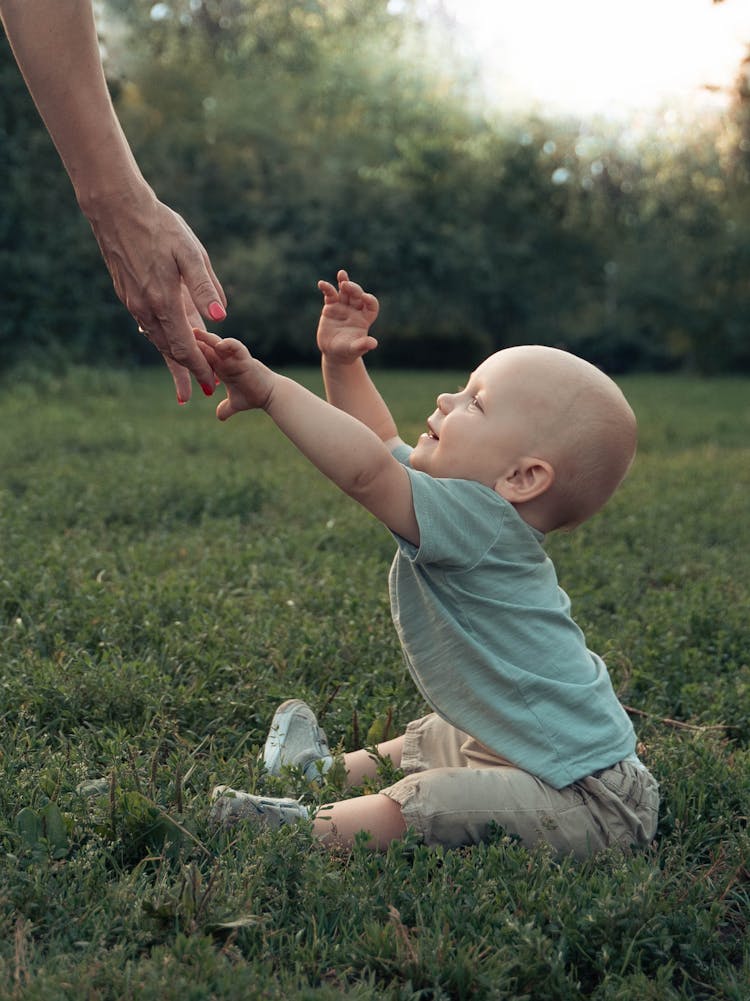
x,y
329,292
177,334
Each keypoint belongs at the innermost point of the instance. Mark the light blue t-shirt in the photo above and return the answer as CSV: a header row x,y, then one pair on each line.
x,y
488,637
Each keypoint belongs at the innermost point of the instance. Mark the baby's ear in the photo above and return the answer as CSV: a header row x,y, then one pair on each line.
x,y
529,478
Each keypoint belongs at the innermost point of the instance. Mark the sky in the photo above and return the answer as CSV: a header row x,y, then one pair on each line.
x,y
612,57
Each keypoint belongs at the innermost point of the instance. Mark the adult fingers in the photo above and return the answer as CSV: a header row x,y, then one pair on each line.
x,y
173,334
181,378
170,327
200,280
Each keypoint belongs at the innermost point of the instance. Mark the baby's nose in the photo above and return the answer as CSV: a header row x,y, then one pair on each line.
x,y
445,402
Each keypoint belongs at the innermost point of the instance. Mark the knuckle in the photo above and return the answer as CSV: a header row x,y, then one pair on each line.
x,y
203,289
159,305
179,352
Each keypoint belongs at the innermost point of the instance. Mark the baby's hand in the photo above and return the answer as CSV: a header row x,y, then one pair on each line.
x,y
345,320
249,383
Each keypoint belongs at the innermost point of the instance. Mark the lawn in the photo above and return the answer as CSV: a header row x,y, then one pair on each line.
x,y
166,581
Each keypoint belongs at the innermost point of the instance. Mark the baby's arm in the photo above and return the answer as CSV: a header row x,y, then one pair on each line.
x,y
343,340
342,447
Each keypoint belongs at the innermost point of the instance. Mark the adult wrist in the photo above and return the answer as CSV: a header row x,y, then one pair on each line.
x,y
99,200
106,177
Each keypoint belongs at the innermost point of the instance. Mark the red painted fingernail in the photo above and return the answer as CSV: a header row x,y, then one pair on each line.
x,y
216,311
181,401
207,389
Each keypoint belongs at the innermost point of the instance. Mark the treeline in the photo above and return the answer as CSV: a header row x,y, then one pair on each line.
x,y
299,137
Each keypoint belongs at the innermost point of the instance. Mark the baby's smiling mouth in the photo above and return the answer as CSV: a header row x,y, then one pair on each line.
x,y
431,433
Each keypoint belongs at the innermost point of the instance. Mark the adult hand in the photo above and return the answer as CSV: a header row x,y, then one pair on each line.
x,y
156,262
163,275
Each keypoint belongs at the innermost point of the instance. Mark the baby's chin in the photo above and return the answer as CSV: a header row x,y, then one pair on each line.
x,y
421,464
416,455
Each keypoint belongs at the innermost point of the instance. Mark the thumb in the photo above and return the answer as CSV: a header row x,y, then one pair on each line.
x,y
225,410
202,285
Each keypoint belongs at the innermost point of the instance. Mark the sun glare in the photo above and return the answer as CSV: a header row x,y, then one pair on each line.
x,y
610,57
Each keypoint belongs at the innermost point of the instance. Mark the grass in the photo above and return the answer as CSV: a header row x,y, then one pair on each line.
x,y
165,581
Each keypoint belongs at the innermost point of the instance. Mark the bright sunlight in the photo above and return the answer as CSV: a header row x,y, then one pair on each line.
x,y
609,57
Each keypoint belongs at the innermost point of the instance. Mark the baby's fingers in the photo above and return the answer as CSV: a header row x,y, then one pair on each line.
x,y
330,295
352,294
230,347
206,337
208,352
225,410
359,347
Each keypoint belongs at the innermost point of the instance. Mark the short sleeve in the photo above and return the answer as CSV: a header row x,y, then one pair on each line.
x,y
459,520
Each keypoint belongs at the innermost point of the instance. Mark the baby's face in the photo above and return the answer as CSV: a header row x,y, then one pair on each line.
x,y
479,432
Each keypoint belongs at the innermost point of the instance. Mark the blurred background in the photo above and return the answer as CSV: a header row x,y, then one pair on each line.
x,y
569,173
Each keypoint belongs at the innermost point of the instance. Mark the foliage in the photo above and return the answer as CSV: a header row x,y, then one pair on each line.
x,y
49,262
297,138
165,581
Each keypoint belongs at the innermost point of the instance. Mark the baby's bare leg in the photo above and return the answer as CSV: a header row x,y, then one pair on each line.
x,y
361,764
339,823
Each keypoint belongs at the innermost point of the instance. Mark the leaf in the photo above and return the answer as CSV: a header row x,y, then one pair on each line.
x,y
54,829
29,825
380,729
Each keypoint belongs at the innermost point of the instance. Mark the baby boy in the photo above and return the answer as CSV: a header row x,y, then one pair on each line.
x,y
526,731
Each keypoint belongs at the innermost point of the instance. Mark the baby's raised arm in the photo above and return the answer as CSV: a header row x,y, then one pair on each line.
x,y
350,454
344,339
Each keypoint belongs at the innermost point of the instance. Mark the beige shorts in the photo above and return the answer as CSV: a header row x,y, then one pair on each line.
x,y
455,788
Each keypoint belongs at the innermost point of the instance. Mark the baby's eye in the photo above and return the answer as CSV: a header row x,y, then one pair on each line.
x,y
474,402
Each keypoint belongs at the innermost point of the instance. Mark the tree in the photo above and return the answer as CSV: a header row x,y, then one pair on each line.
x,y
299,136
56,295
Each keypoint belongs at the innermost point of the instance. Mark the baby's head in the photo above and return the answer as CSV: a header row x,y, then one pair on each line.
x,y
545,429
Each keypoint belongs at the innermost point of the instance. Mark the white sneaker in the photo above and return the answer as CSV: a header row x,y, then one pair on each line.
x,y
296,739
230,806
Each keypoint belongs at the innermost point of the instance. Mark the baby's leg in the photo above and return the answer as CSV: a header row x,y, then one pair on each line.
x,y
363,764
458,806
335,825
338,824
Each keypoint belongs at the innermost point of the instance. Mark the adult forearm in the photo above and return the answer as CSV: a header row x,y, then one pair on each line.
x,y
55,45
159,268
350,388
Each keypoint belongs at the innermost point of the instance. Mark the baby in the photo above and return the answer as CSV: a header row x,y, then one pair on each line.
x,y
526,731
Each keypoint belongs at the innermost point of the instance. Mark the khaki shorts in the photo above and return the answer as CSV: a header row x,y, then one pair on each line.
x,y
455,788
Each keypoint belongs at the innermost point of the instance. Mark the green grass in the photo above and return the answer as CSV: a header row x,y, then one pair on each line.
x,y
165,581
